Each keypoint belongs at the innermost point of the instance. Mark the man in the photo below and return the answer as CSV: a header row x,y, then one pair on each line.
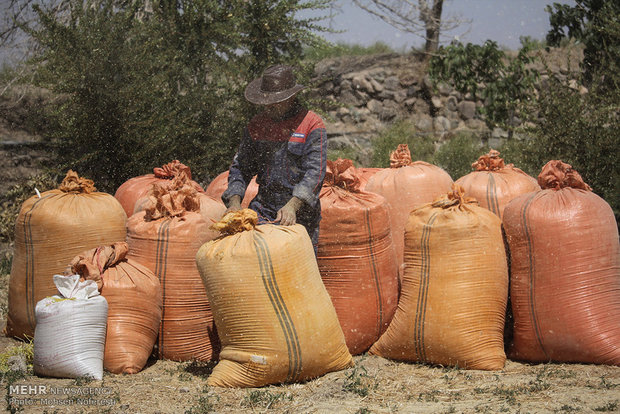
x,y
285,146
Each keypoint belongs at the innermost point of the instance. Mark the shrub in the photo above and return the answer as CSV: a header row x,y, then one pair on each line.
x,y
401,132
347,153
458,154
330,50
504,83
143,88
24,350
12,200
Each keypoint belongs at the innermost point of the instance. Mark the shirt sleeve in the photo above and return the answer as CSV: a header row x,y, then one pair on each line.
x,y
313,164
241,170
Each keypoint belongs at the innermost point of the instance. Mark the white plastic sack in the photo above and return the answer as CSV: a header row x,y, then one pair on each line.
x,y
69,337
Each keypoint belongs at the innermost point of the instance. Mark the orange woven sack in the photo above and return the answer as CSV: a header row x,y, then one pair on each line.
x,y
494,184
407,185
364,174
137,187
356,256
455,288
274,316
565,272
134,301
211,209
50,230
220,183
165,238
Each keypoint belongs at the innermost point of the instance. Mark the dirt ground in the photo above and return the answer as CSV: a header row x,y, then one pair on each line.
x,y
373,385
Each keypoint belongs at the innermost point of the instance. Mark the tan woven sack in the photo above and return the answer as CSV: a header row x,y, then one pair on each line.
x,y
50,230
273,314
455,288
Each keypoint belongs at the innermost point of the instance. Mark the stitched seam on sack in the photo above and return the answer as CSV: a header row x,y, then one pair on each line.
x,y
161,267
423,292
286,323
531,273
492,195
374,272
30,263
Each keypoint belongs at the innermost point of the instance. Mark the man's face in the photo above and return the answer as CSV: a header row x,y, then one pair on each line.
x,y
278,110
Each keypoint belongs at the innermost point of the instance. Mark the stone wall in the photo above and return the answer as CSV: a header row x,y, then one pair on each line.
x,y
364,95
369,93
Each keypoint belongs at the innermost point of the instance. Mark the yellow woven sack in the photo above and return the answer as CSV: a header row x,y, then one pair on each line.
x,y
273,315
455,288
52,229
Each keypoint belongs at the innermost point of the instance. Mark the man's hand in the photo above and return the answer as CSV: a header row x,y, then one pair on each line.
x,y
234,204
287,215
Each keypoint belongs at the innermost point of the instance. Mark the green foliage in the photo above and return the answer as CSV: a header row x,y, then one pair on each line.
x,y
144,88
595,23
264,399
346,153
272,31
401,132
9,376
357,381
532,44
504,84
468,66
205,404
7,73
83,380
6,261
611,406
24,350
344,49
12,200
458,154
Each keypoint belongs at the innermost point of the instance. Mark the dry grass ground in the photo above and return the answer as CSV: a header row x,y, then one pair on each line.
x,y
373,385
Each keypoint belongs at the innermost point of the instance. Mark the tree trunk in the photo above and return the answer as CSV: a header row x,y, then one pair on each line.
x,y
432,21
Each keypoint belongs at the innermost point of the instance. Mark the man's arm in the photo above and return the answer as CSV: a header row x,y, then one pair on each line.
x,y
314,162
240,173
308,189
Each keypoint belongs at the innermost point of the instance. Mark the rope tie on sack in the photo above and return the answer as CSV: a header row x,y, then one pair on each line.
x,y
171,199
73,183
557,175
455,197
236,222
490,162
401,157
341,173
172,170
93,263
